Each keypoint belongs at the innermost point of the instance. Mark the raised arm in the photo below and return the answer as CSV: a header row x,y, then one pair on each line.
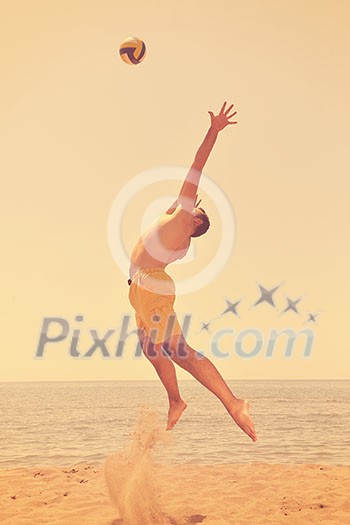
x,y
188,193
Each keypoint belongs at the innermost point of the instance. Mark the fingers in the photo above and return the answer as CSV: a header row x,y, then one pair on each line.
x,y
222,119
230,116
223,110
223,107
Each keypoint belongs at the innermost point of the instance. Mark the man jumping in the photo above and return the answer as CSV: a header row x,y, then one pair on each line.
x,y
152,291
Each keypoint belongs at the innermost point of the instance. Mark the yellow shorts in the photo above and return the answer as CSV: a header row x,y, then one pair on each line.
x,y
152,295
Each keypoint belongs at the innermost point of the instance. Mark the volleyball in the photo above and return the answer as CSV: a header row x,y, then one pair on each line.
x,y
132,50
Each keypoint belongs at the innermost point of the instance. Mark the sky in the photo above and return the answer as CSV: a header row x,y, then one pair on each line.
x,y
78,125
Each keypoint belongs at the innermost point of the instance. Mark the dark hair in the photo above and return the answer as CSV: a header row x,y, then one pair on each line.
x,y
204,226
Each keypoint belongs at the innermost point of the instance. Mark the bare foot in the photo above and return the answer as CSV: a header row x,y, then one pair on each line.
x,y
175,410
240,413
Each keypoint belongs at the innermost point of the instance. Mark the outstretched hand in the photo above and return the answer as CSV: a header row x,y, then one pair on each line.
x,y
220,121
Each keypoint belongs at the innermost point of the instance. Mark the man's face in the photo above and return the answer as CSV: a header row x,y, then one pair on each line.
x,y
197,216
196,212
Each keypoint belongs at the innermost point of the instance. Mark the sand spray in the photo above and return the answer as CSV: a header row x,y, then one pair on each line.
x,y
130,474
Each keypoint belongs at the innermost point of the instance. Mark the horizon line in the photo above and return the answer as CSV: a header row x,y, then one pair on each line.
x,y
157,380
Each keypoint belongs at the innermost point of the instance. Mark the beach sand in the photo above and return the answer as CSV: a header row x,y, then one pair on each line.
x,y
213,495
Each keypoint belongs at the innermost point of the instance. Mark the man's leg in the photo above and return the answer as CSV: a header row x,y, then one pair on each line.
x,y
205,372
167,374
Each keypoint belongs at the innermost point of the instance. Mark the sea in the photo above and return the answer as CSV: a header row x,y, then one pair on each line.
x,y
67,423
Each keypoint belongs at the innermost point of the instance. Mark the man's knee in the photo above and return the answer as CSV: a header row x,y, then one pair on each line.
x,y
146,345
151,350
178,349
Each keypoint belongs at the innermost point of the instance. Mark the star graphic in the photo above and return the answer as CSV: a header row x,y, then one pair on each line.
x,y
312,317
292,305
205,326
231,307
266,295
